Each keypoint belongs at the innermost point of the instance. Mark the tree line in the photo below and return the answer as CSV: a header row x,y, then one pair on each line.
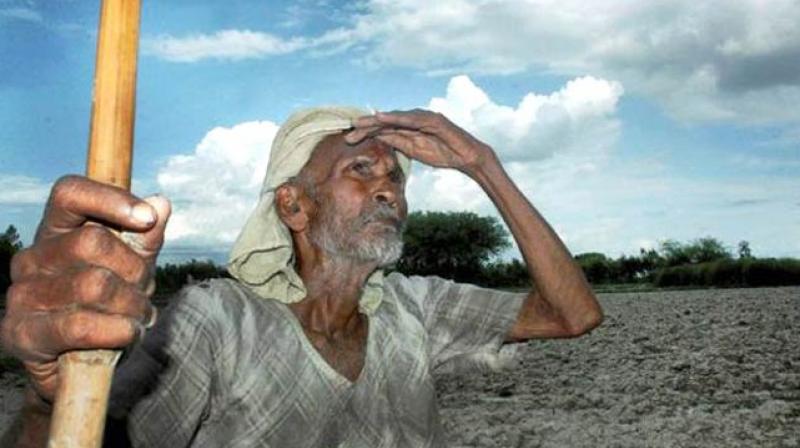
x,y
705,262
465,247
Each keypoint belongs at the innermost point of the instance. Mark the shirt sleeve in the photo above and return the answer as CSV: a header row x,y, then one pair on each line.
x,y
163,387
466,325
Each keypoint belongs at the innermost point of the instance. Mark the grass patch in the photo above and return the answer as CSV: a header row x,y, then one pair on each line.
x,y
608,288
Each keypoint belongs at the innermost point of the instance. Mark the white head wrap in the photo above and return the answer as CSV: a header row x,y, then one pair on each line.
x,y
263,255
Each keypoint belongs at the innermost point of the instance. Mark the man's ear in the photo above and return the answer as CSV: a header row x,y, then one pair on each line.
x,y
291,207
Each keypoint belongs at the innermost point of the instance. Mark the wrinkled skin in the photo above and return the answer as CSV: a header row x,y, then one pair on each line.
x,y
79,285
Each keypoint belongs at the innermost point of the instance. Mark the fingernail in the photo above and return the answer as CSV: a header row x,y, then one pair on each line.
x,y
151,286
143,213
153,317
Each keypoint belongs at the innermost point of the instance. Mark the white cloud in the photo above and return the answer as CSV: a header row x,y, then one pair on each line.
x,y
558,147
562,157
702,60
214,188
21,201
710,60
579,117
226,44
570,130
22,190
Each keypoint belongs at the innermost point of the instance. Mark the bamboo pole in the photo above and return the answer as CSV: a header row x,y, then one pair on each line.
x,y
85,376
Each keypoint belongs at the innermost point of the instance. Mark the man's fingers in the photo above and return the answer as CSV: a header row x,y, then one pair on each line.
x,y
23,263
91,245
400,140
360,133
412,119
44,376
367,121
94,288
42,337
381,123
75,200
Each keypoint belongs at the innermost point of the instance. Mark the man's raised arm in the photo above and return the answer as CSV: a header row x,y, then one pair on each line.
x,y
561,302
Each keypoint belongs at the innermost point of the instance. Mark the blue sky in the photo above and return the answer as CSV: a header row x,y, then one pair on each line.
x,y
624,123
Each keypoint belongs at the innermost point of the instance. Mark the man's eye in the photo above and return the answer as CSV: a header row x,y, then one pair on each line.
x,y
361,167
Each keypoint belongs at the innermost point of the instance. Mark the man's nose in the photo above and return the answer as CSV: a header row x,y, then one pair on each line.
x,y
386,197
386,194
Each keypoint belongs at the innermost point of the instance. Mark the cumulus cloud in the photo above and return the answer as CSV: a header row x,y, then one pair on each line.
x,y
561,153
711,60
559,147
214,188
570,130
579,117
226,44
702,60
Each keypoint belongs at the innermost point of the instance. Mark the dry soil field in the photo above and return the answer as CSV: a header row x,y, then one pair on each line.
x,y
707,368
710,368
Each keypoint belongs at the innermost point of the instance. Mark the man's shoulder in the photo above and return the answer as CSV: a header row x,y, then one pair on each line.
x,y
417,286
414,293
399,280
222,301
212,295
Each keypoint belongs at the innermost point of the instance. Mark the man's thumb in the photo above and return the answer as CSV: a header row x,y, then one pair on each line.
x,y
148,243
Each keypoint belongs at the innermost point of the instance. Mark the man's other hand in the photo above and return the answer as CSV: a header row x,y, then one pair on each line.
x,y
425,136
81,285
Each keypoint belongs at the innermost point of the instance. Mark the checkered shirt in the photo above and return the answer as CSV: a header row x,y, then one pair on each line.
x,y
224,367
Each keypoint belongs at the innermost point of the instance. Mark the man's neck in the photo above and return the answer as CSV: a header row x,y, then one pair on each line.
x,y
334,287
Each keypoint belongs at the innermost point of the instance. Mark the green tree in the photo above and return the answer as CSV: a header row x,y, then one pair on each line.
x,y
9,245
700,250
596,266
454,245
506,274
651,259
744,250
172,277
627,269
707,249
673,253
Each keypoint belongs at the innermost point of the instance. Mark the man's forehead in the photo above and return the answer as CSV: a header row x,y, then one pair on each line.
x,y
333,148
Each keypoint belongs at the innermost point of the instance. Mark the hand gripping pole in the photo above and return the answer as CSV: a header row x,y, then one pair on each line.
x,y
81,401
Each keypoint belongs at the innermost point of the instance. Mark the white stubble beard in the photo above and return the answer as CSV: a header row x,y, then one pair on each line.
x,y
345,240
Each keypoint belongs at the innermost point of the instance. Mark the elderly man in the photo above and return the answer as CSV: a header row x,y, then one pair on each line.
x,y
310,345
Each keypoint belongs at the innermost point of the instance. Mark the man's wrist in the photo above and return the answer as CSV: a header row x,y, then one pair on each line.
x,y
488,168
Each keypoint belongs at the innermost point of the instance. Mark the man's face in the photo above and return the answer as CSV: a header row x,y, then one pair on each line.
x,y
360,197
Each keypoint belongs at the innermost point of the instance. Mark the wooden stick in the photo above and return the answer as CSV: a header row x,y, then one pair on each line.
x,y
85,376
